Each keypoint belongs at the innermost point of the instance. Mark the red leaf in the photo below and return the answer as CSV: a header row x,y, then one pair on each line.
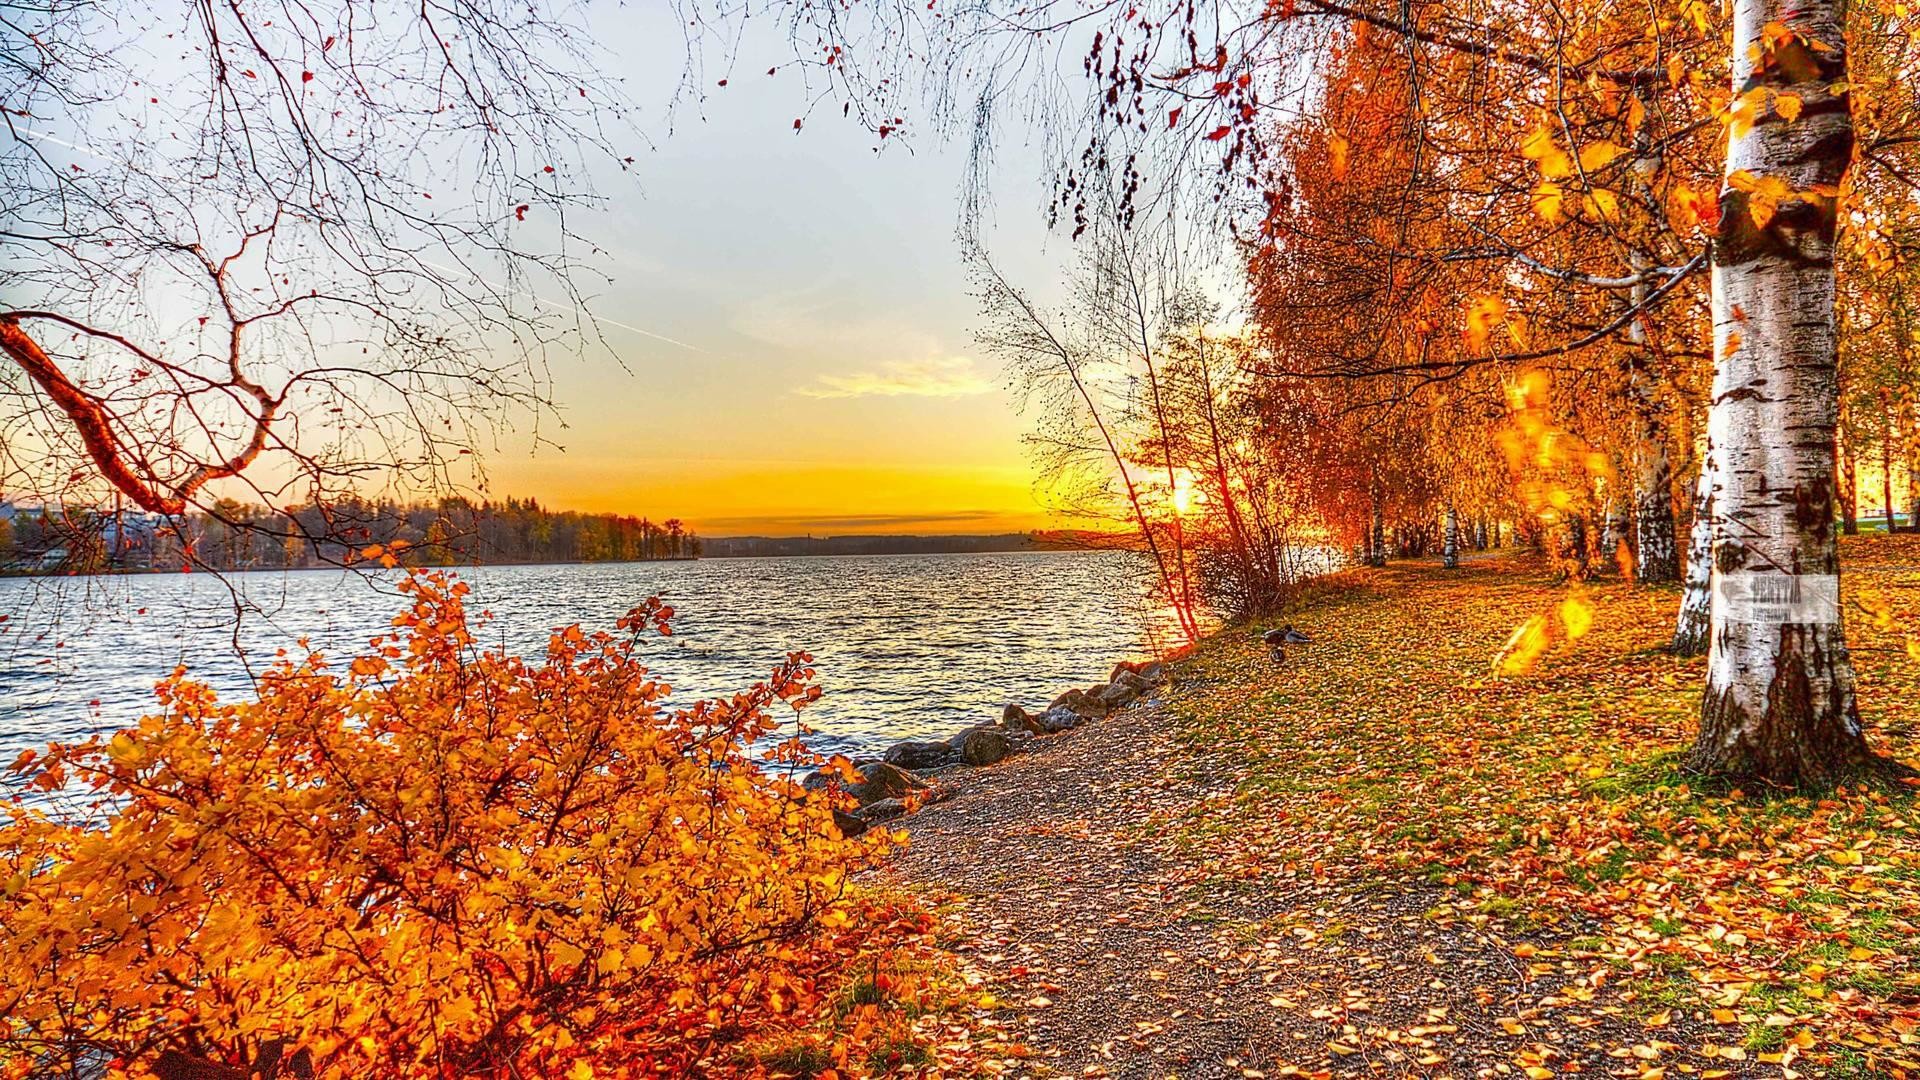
x,y
796,124
306,76
1218,133
520,212
1173,117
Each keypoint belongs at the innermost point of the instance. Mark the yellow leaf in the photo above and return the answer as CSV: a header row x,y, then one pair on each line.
x,y
566,954
1540,149
1788,106
1603,204
1744,110
1547,200
1337,150
1598,155
1482,315
123,749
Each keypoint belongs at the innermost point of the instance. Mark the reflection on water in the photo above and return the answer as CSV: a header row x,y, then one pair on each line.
x,y
906,646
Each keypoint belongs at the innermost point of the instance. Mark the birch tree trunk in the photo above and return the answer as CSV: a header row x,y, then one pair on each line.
x,y
1450,546
1690,633
1779,702
1378,552
1656,556
1849,479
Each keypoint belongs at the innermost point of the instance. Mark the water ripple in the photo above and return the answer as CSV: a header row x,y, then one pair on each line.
x,y
907,646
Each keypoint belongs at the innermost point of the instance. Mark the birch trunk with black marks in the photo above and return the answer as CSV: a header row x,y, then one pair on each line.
x,y
1849,480
1779,703
1696,604
1377,552
1656,554
1619,529
1450,546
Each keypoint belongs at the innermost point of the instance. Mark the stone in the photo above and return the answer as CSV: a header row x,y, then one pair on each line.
x,y
881,810
1079,701
1016,719
920,755
1054,721
1133,681
983,746
1113,695
849,824
884,781
1155,672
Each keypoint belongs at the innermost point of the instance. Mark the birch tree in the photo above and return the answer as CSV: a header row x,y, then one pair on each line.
x,y
1779,702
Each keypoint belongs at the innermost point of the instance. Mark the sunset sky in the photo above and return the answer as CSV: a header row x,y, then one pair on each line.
x,y
821,374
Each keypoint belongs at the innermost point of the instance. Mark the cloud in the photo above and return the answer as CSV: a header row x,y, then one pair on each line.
x,y
951,376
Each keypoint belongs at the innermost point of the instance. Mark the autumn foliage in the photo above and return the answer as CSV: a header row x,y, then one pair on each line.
x,y
438,860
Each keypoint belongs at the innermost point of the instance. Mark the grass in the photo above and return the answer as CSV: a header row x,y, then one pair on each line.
x,y
1388,750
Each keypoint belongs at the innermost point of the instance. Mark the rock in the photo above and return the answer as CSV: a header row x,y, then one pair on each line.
x,y
1054,721
884,781
1113,695
1124,667
1155,673
920,755
983,746
1133,681
960,737
849,824
1016,719
881,810
1079,701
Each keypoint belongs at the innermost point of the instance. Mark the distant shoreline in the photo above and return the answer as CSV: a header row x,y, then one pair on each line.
x,y
1037,549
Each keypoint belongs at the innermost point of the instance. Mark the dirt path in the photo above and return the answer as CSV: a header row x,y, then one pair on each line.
x,y
1121,953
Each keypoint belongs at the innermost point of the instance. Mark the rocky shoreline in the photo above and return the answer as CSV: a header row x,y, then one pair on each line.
x,y
908,775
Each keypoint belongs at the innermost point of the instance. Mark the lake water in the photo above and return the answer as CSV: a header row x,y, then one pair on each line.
x,y
906,646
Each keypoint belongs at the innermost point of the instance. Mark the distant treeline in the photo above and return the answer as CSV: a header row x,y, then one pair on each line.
x,y
231,535
751,546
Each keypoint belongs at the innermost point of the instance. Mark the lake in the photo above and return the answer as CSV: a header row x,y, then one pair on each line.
x,y
907,646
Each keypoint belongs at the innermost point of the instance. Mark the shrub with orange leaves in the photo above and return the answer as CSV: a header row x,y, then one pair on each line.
x,y
438,860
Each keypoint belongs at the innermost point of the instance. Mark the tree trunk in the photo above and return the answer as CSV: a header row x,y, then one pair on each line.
x,y
1379,551
1849,484
1886,461
1779,702
1450,548
1696,605
1615,538
1656,556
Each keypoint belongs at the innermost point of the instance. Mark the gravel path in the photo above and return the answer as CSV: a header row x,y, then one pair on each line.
x,y
1121,954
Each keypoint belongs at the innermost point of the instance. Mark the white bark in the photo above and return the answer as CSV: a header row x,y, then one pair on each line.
x,y
1450,549
1779,702
1696,605
1655,557
1379,536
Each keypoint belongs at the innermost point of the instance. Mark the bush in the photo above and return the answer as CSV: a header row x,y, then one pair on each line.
x,y
438,861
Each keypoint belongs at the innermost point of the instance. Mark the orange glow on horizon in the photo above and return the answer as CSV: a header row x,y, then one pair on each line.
x,y
764,498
